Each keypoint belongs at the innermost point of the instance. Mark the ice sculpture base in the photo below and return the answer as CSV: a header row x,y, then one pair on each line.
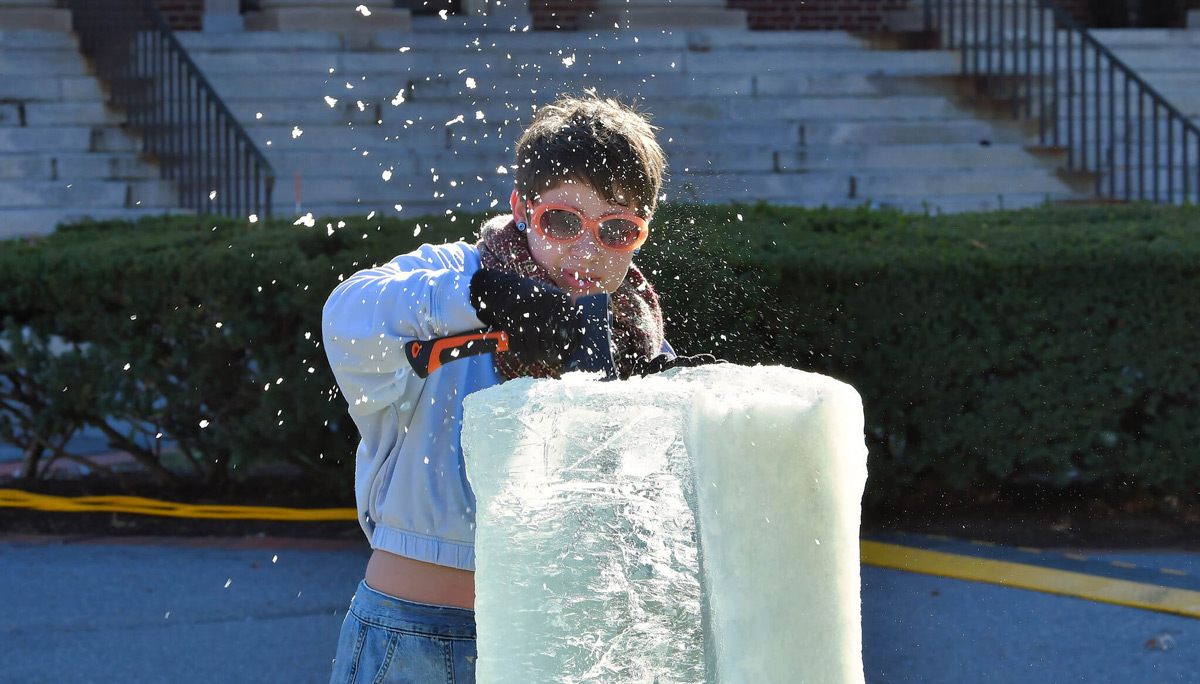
x,y
696,526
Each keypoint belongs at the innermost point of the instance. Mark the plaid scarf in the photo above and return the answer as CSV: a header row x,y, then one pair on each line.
x,y
637,317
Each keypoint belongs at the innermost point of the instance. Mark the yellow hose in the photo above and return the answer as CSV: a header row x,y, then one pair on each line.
x,y
15,498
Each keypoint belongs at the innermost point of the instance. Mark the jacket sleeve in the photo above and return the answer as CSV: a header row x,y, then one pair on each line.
x,y
370,316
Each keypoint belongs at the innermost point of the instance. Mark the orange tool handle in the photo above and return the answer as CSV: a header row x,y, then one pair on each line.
x,y
427,356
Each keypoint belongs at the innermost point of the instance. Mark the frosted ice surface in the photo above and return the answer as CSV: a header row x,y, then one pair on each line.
x,y
597,500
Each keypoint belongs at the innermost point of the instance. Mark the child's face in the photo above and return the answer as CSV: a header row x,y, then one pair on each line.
x,y
581,267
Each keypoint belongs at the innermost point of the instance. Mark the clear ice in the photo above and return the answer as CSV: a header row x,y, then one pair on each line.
x,y
696,526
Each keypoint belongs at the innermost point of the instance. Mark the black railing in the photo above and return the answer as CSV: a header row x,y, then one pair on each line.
x,y
195,139
1085,99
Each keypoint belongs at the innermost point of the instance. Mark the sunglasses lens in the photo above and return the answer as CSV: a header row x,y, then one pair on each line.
x,y
560,224
619,233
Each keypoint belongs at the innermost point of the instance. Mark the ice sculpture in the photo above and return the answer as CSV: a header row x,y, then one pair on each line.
x,y
696,526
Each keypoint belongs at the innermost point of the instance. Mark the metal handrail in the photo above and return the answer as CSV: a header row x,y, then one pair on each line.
x,y
1027,69
197,141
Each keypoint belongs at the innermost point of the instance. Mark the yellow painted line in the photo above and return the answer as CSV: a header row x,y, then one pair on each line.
x,y
1122,564
13,498
1177,573
1028,549
1048,580
1076,556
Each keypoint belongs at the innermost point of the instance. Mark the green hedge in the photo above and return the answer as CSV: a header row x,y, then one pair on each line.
x,y
1055,345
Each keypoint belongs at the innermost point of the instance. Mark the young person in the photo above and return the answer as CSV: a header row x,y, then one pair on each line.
x,y
589,172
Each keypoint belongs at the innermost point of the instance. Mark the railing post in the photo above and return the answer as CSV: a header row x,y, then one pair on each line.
x,y
1170,158
1054,81
1070,101
1099,121
1141,145
1186,167
1083,118
1112,132
1154,129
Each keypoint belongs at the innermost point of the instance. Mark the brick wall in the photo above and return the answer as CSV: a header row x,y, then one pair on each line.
x,y
549,15
780,15
182,15
818,15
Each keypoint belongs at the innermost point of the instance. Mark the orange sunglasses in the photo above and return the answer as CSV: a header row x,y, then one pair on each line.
x,y
563,223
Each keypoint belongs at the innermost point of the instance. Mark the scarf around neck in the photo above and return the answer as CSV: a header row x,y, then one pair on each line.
x,y
637,317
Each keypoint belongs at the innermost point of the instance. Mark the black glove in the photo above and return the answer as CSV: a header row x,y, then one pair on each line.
x,y
540,320
662,362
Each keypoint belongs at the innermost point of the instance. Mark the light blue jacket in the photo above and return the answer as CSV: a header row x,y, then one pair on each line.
x,y
410,482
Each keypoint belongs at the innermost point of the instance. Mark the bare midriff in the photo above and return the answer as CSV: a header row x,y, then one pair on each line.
x,y
420,582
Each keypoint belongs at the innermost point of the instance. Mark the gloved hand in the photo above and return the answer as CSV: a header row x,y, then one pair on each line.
x,y
662,362
540,320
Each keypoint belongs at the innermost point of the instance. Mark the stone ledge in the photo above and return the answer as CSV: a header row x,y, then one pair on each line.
x,y
357,31
664,18
35,18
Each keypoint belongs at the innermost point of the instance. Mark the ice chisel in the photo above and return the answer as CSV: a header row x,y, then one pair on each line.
x,y
593,353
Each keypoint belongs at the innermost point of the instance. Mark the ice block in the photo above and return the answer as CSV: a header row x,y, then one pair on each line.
x,y
699,525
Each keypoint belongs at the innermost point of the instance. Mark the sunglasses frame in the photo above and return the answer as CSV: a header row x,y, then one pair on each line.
x,y
535,218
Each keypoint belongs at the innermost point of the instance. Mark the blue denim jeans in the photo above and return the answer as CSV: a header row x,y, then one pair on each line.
x,y
387,640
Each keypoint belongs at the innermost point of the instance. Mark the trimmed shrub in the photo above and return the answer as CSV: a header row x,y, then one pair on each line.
x,y
1053,345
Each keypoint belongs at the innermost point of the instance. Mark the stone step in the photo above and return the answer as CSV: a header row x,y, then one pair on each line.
x,y
737,159
666,111
287,163
1118,39
936,205
52,88
66,139
408,211
821,62
32,39
870,185
259,41
24,222
40,18
87,194
371,139
1118,130
74,165
46,139
978,131
482,67
355,65
698,40
470,135
924,157
70,114
377,194
233,87
39,63
373,192
1160,59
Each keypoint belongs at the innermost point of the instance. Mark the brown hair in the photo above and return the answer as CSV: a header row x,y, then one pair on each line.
x,y
599,141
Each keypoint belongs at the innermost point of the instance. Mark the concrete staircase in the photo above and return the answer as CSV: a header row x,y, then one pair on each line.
x,y
426,121
1095,128
1169,60
63,154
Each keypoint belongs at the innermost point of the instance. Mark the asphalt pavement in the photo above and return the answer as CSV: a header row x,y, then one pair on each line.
x,y
193,611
